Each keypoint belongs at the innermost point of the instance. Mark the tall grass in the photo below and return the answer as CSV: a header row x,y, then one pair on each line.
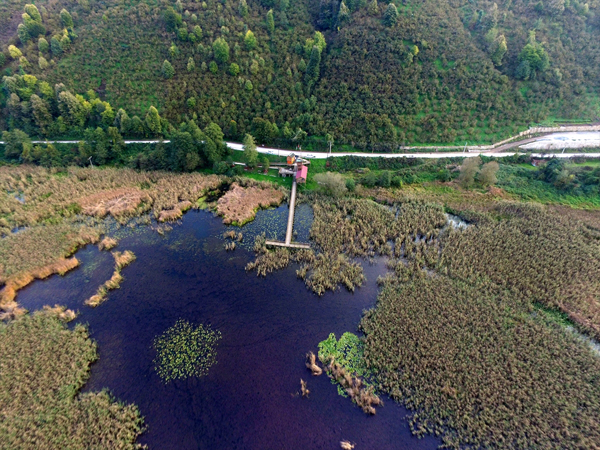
x,y
43,366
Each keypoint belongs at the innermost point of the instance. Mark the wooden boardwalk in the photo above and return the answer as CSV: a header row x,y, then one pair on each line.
x,y
290,225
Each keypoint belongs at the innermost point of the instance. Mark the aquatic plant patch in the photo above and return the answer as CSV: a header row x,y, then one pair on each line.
x,y
185,351
348,352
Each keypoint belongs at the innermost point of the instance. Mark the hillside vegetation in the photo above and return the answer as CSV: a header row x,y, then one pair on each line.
x,y
373,75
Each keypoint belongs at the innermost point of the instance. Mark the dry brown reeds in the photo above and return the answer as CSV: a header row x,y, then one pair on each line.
x,y
239,205
303,389
230,234
117,203
121,260
346,445
229,246
364,396
60,312
311,364
173,214
19,281
107,243
51,194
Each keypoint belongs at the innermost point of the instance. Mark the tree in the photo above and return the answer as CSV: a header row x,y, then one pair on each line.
x,y
198,32
468,170
390,17
33,12
42,63
43,45
122,121
250,40
234,69
373,8
221,50
17,142
191,65
153,121
263,130
487,174
313,68
34,26
250,152
266,164
248,85
172,19
66,19
270,22
23,34
41,113
532,59
343,14
55,45
498,49
167,70
243,8
331,183
14,52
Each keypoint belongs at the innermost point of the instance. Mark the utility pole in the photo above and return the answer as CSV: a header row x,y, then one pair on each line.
x,y
90,160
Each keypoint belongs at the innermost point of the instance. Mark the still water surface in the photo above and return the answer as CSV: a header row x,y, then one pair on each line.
x,y
249,398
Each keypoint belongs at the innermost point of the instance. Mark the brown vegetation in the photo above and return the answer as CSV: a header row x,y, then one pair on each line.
x,y
121,260
117,202
175,213
346,445
43,366
37,253
311,364
52,194
303,389
239,205
364,396
107,243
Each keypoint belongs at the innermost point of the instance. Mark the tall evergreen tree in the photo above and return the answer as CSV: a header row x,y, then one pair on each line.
x,y
270,22
343,14
250,40
390,17
243,8
66,19
167,69
153,121
313,68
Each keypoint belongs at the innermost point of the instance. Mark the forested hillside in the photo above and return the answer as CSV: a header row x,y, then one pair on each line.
x,y
373,75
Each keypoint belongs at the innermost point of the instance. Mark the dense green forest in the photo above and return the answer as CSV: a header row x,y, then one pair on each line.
x,y
372,75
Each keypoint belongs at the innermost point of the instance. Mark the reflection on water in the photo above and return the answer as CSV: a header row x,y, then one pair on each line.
x,y
248,398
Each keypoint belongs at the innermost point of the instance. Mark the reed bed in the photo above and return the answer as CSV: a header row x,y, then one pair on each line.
x,y
239,205
107,243
479,367
537,254
52,194
37,253
114,282
344,228
346,445
44,365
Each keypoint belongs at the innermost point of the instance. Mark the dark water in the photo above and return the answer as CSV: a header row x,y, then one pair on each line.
x,y
249,398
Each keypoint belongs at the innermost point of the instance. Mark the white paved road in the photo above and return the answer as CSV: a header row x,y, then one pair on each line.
x,y
554,141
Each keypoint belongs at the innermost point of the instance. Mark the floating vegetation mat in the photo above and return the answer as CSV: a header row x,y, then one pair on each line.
x,y
185,351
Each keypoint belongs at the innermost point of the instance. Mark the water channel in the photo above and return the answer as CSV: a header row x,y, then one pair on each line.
x,y
249,398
